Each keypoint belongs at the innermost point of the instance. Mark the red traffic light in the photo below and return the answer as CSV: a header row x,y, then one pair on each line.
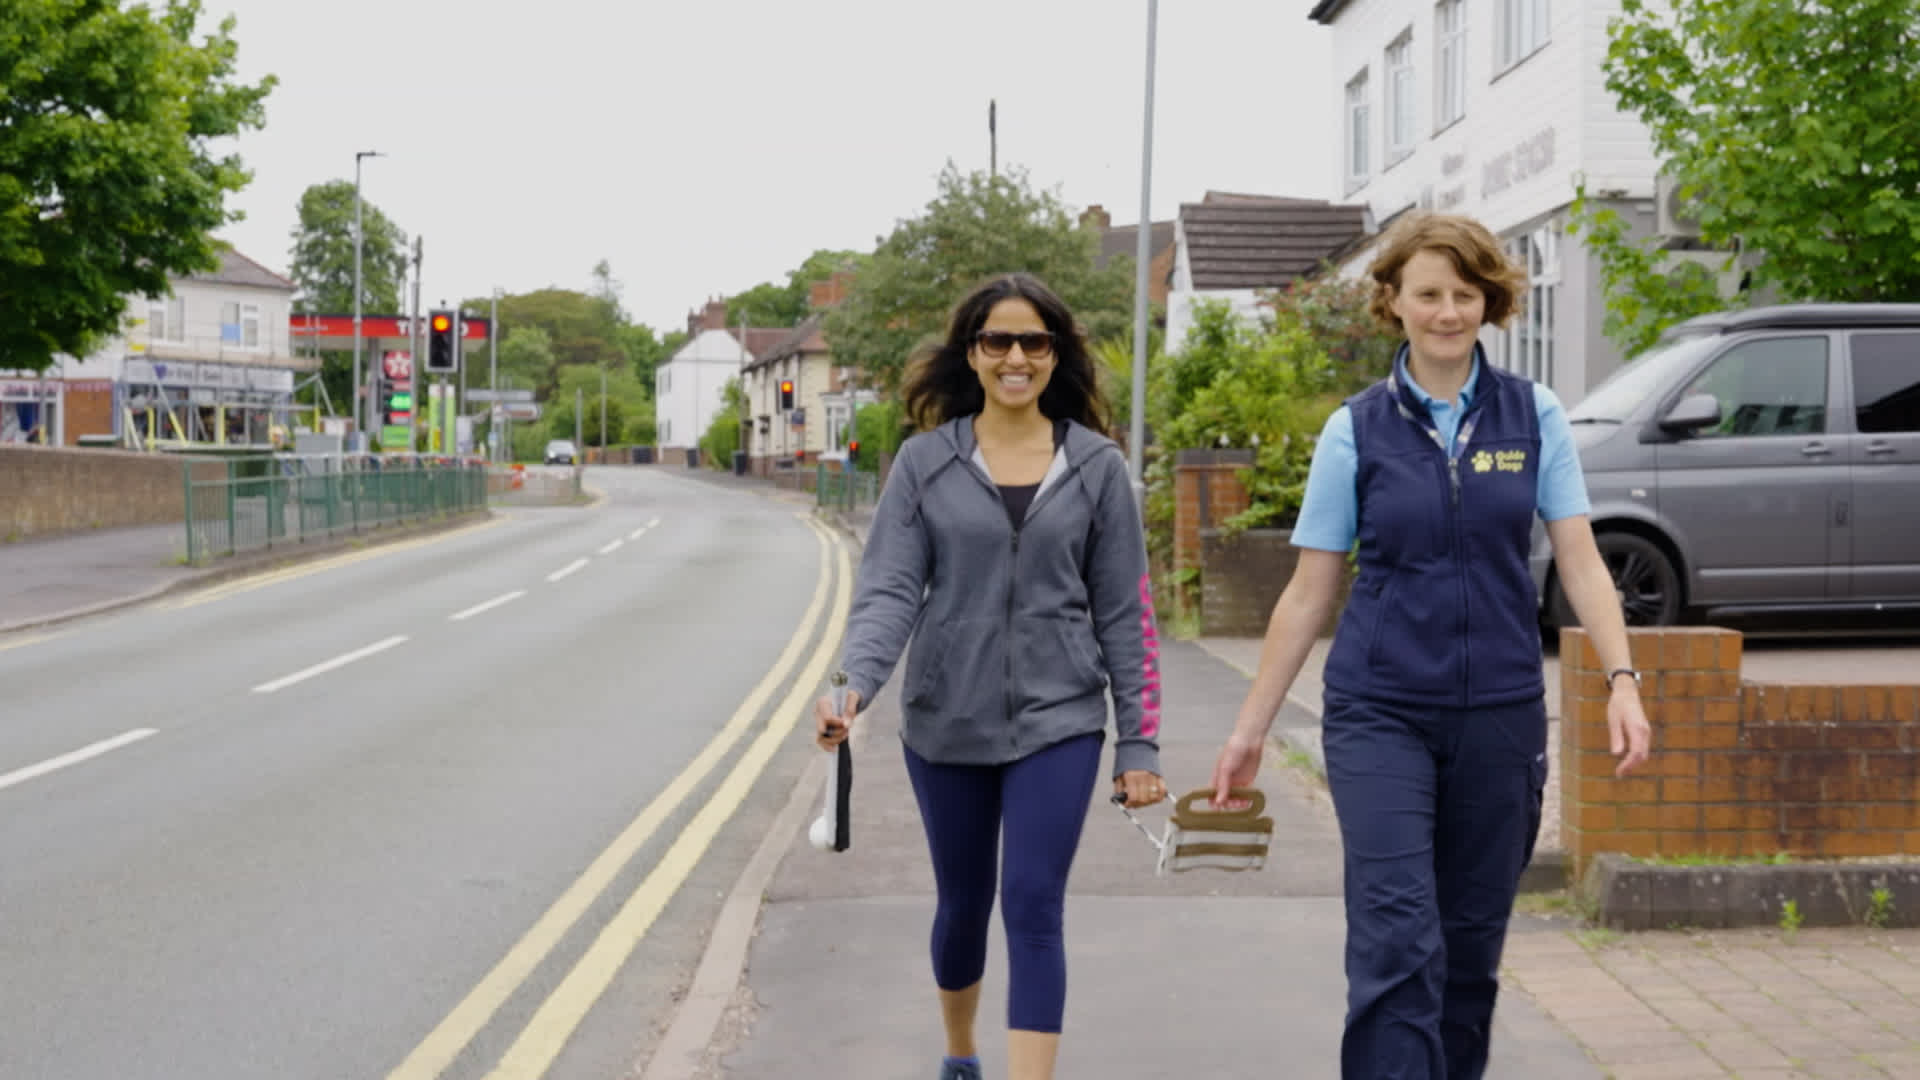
x,y
854,446
441,324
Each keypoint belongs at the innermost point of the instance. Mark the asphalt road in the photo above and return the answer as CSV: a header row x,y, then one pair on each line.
x,y
464,807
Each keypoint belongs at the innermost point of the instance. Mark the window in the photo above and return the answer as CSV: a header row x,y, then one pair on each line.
x,y
1449,62
1357,125
167,319
1522,31
1526,347
1400,98
1886,383
250,325
1772,386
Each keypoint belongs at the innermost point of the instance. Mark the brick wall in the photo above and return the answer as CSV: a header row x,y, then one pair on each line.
x,y
1206,492
1243,575
1739,768
45,490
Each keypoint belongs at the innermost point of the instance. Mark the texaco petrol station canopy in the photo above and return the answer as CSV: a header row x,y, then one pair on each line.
x,y
378,333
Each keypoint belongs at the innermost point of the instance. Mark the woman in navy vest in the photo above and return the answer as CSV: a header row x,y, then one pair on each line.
x,y
1435,718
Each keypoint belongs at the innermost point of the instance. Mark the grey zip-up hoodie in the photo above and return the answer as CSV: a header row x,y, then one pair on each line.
x,y
1017,633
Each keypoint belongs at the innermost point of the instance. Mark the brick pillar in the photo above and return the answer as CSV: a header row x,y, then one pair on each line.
x,y
1206,491
1738,769
1691,691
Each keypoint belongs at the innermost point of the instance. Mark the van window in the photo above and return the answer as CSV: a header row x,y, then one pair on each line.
x,y
1629,387
1886,383
1771,386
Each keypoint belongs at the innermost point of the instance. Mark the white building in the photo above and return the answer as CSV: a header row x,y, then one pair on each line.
x,y
1493,108
689,389
212,363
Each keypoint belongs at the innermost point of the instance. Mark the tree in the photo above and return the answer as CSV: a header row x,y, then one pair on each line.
x,y
723,431
323,252
977,226
108,181
322,266
768,304
526,359
1792,125
560,420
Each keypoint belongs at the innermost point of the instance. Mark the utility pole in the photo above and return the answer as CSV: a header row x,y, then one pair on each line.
x,y
993,138
1143,254
359,413
417,351
493,374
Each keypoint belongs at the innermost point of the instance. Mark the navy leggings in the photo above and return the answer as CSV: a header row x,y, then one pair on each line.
x,y
1039,802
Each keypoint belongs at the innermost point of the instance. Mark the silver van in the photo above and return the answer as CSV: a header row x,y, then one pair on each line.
x,y
1757,462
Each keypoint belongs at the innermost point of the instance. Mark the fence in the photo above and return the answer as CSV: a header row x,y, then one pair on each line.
x,y
266,501
845,490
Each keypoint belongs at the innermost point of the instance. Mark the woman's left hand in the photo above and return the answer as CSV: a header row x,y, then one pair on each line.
x,y
1141,788
1629,735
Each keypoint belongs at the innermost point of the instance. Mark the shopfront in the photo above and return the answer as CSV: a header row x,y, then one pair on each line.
x,y
30,411
176,403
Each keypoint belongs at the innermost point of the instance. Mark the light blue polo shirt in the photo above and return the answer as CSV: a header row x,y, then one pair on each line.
x,y
1330,511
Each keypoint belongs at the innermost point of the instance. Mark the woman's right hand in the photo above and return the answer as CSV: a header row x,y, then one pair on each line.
x,y
831,729
1237,766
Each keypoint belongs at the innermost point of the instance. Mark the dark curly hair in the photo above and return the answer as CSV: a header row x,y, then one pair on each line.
x,y
941,386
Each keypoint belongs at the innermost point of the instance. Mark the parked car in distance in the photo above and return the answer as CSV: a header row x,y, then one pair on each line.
x,y
562,452
1757,462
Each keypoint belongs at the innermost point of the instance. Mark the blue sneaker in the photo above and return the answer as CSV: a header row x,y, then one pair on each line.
x,y
952,1069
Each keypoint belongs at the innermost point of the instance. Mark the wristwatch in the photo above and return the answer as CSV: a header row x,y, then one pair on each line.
x,y
1619,671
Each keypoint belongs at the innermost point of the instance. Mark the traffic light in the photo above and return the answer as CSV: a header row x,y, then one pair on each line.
x,y
853,451
443,342
786,394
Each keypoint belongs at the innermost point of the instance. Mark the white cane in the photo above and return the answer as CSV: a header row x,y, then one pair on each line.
x,y
831,831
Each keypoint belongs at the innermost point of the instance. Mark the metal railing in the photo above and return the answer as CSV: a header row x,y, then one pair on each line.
x,y
259,502
843,490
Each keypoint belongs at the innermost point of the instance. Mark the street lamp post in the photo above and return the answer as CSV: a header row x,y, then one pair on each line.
x,y
1143,253
493,373
359,411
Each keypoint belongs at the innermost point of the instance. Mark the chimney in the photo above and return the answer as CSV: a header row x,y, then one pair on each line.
x,y
831,292
715,316
1096,216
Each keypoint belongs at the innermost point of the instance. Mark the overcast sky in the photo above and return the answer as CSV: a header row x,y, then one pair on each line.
x,y
703,146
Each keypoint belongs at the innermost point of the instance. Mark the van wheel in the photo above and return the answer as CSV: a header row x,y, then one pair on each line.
x,y
1644,577
1648,584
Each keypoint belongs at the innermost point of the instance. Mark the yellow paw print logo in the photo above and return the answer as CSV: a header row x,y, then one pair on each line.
x,y
1482,462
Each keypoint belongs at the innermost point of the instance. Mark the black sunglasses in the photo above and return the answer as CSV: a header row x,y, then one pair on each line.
x,y
997,343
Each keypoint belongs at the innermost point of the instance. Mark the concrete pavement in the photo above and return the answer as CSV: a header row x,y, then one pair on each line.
x,y
1669,1005
1198,974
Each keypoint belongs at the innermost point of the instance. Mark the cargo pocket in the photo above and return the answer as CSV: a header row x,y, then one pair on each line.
x,y
1536,801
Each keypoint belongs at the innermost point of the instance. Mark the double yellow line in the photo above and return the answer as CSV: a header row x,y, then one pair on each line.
x,y
554,1023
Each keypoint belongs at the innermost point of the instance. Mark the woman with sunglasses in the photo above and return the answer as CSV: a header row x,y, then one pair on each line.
x,y
1008,549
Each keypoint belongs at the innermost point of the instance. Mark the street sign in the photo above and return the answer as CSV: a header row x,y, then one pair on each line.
x,y
499,395
522,410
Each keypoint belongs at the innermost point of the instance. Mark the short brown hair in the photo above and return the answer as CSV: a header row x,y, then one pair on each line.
x,y
1476,257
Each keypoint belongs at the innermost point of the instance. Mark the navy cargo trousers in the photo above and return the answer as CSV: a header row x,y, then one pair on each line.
x,y
1438,813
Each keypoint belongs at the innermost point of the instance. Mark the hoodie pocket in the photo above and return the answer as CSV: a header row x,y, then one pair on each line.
x,y
1058,660
924,664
